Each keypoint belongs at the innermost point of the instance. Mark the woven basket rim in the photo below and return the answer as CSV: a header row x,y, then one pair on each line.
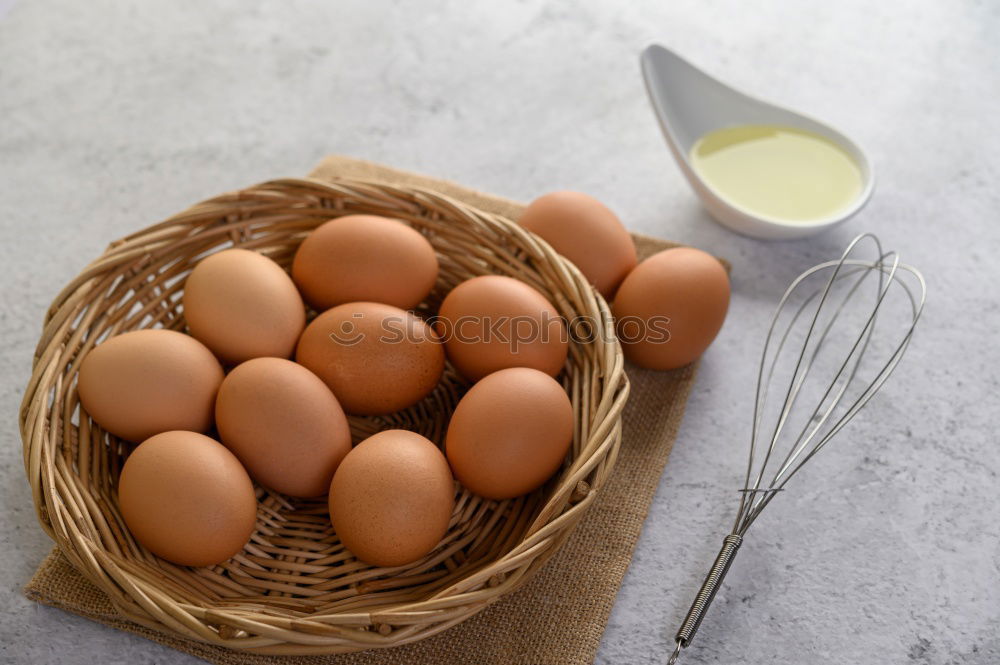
x,y
53,447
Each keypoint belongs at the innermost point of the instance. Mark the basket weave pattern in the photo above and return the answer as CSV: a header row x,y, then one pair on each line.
x,y
295,589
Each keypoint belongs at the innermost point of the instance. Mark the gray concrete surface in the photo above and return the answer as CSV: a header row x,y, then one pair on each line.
x,y
115,114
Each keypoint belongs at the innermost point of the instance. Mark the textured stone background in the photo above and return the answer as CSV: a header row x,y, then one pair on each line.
x,y
116,114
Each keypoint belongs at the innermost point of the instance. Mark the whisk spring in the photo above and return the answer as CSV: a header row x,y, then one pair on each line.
x,y
730,546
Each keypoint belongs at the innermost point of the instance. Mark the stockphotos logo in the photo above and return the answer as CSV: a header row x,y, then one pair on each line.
x,y
512,331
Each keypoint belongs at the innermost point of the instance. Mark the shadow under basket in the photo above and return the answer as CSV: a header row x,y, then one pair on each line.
x,y
294,589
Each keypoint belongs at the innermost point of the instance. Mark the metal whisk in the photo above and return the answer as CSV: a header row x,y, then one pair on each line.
x,y
822,314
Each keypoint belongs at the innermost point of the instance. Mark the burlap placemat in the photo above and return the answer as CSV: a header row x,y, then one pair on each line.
x,y
558,617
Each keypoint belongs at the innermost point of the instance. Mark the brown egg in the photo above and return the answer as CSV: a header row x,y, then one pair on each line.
x,y
283,424
670,308
493,322
187,499
144,382
375,358
510,433
391,499
365,258
586,232
242,305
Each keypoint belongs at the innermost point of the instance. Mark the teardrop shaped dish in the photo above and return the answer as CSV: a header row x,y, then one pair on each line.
x,y
744,157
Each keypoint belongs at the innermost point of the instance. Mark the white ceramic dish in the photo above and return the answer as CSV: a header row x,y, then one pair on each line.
x,y
689,103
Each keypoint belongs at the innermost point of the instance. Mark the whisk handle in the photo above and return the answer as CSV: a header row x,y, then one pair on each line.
x,y
730,545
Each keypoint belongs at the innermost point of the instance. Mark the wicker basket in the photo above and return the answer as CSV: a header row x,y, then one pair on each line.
x,y
294,589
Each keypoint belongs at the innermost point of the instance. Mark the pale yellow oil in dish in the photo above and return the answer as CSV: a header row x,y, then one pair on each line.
x,y
780,173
